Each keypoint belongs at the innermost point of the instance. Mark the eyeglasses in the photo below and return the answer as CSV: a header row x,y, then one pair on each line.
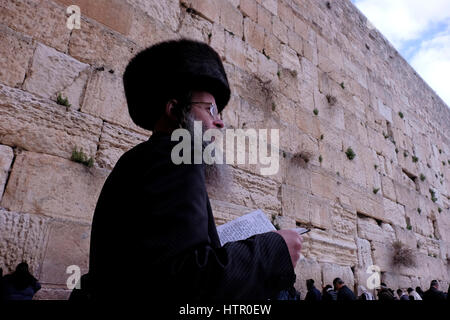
x,y
213,111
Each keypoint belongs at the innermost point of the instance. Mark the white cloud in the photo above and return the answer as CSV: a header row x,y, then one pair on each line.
x,y
432,62
403,20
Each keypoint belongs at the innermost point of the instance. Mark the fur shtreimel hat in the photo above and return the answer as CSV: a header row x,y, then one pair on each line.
x,y
166,69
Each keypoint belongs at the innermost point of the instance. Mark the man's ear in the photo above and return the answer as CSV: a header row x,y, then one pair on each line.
x,y
171,110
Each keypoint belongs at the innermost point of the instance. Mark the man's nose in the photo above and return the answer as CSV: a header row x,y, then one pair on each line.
x,y
218,123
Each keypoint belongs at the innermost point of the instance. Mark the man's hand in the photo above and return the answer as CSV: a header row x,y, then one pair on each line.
x,y
294,243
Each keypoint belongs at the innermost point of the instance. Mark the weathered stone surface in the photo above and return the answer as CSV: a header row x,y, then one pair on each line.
x,y
249,190
98,46
304,270
105,98
330,272
15,52
304,207
395,213
6,158
52,293
23,237
52,186
47,79
195,27
114,142
369,229
114,14
249,9
231,18
43,20
68,244
43,126
322,247
209,9
364,253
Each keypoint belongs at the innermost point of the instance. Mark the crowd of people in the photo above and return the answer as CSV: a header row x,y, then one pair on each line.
x,y
19,285
340,292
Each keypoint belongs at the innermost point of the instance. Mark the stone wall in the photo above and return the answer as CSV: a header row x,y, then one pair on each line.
x,y
316,71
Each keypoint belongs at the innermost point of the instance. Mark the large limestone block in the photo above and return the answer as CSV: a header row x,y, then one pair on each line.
x,y
304,270
332,271
43,126
68,244
304,207
324,247
209,9
395,213
43,20
405,236
15,52
54,73
99,46
114,142
168,12
364,253
23,237
231,18
115,14
194,27
249,190
52,293
105,98
343,220
52,186
6,159
369,229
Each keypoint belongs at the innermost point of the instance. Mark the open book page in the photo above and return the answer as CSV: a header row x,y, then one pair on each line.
x,y
244,227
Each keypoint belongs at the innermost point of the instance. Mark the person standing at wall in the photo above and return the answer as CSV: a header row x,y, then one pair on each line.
x,y
343,292
20,285
154,213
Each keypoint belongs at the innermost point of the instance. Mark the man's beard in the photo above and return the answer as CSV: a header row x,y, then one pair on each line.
x,y
217,176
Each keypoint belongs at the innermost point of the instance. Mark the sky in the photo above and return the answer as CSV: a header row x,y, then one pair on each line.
x,y
420,31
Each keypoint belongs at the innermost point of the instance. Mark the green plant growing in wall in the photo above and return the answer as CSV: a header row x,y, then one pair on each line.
x,y
405,154
415,159
419,210
342,85
396,150
375,190
375,166
278,73
80,157
320,159
440,150
422,177
400,114
439,210
331,99
409,227
273,106
350,153
62,101
315,111
433,195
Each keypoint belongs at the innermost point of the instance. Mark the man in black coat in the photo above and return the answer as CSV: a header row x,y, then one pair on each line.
x,y
434,294
343,292
153,232
313,293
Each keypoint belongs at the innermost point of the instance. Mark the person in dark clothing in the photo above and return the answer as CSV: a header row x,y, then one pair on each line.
x,y
434,294
448,293
288,294
328,294
384,294
420,292
343,292
20,285
402,295
313,294
154,212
